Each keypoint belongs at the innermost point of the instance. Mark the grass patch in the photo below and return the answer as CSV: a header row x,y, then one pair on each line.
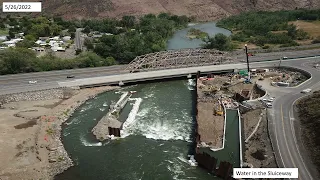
x,y
196,34
4,32
311,27
49,131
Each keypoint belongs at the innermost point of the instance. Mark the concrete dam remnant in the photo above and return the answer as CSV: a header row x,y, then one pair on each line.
x,y
109,126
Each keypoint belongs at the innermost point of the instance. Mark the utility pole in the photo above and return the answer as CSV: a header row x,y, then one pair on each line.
x,y
246,48
280,62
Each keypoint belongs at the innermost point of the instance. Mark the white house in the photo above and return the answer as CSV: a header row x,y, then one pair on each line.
x,y
66,38
57,48
12,42
3,38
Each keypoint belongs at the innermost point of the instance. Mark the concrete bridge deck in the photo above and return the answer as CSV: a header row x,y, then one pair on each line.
x,y
169,73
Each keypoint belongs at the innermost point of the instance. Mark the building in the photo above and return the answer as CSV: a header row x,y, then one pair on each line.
x,y
58,48
12,42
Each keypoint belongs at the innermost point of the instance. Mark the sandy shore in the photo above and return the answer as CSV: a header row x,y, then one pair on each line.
x,y
30,127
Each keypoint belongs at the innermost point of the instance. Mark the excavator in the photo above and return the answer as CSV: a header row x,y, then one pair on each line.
x,y
218,110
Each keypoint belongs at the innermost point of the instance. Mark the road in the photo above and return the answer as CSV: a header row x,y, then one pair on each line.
x,y
289,150
78,41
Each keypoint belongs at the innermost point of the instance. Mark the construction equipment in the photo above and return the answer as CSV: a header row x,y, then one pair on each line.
x,y
218,111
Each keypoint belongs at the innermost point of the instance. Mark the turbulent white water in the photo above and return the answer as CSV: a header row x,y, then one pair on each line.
x,y
86,143
191,84
131,117
162,128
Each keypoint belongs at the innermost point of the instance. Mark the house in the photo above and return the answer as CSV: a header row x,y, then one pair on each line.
x,y
3,38
58,48
43,38
19,35
66,38
38,49
12,42
56,38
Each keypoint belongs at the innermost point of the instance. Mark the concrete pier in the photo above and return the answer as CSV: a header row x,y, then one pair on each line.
x,y
109,125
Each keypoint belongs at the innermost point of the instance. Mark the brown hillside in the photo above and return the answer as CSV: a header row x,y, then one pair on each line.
x,y
203,10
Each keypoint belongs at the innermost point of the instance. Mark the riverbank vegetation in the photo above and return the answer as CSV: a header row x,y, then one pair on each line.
x,y
121,42
309,115
21,60
264,28
196,34
220,42
134,38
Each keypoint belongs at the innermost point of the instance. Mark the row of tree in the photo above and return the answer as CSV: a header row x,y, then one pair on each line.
x,y
21,60
258,27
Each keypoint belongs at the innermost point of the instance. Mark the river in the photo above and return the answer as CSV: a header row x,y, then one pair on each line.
x,y
157,141
181,41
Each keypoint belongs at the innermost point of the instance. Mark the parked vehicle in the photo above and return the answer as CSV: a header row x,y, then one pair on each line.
x,y
306,91
269,105
32,82
70,76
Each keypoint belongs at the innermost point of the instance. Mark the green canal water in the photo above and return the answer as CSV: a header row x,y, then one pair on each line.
x,y
231,151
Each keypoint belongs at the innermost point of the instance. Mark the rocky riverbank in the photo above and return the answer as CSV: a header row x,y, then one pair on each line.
x,y
37,151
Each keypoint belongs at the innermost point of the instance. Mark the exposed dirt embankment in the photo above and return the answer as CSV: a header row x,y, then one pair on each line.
x,y
203,10
30,129
309,115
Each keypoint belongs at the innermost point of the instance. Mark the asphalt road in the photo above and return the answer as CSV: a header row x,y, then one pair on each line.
x,y
78,41
290,152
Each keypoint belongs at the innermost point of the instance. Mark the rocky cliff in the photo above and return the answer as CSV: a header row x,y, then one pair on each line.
x,y
203,10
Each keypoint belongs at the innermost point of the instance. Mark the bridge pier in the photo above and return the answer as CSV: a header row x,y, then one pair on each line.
x,y
121,83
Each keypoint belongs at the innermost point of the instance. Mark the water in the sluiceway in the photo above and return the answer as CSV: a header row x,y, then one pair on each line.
x,y
157,143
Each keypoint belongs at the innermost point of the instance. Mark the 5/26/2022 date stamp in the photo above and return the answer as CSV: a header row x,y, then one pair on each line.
x,y
21,7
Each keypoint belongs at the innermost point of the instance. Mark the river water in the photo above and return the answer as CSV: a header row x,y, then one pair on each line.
x,y
181,41
158,135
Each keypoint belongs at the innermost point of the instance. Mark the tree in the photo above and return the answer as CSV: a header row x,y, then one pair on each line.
x,y
219,41
72,28
89,44
72,35
86,30
78,51
292,31
25,43
11,34
128,21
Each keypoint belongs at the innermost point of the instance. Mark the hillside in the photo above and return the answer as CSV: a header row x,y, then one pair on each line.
x,y
203,10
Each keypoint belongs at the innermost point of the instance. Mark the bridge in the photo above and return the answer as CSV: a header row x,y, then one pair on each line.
x,y
181,63
173,59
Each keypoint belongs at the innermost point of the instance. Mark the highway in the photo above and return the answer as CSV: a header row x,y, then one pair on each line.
x,y
288,147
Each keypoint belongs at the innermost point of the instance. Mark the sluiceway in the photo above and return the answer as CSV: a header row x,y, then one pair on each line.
x,y
218,134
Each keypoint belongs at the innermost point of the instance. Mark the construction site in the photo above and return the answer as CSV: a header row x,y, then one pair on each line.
x,y
217,95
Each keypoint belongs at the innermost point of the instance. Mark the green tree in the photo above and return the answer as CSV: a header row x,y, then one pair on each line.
x,y
128,21
89,44
219,41
78,51
86,30
72,28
